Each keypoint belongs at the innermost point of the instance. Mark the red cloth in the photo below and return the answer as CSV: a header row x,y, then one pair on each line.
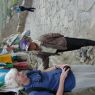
x,y
21,65
10,48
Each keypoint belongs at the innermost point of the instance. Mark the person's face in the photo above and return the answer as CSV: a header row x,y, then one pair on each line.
x,y
33,46
22,78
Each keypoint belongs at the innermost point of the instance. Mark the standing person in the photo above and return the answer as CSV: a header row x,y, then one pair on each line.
x,y
54,43
19,9
55,80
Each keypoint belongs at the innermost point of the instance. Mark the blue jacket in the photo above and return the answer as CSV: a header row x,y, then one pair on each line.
x,y
49,80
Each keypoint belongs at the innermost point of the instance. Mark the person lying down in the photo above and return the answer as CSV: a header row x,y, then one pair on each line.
x,y
55,80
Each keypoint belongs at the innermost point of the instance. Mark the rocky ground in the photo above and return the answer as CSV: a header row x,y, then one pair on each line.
x,y
68,17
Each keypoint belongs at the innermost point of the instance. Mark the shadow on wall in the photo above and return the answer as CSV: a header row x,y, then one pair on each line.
x,y
17,22
22,16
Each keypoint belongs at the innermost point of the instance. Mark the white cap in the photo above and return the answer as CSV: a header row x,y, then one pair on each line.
x,y
26,33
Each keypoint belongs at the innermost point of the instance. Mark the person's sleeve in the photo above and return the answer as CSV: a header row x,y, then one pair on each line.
x,y
45,59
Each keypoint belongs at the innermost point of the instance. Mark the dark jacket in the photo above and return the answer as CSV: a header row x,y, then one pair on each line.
x,y
22,8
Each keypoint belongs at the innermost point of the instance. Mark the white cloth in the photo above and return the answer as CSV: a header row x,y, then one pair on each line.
x,y
10,79
4,51
45,49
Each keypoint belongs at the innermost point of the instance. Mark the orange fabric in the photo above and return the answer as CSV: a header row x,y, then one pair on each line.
x,y
6,58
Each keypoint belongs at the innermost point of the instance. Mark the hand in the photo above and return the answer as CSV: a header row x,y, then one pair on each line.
x,y
62,66
64,74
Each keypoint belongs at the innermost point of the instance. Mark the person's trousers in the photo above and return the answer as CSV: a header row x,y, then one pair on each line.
x,y
7,93
30,9
77,43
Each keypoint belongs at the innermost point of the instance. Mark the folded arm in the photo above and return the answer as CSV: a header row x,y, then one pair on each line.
x,y
56,66
63,76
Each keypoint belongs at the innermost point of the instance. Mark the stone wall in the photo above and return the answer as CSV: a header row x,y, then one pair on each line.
x,y
16,22
73,18
22,16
